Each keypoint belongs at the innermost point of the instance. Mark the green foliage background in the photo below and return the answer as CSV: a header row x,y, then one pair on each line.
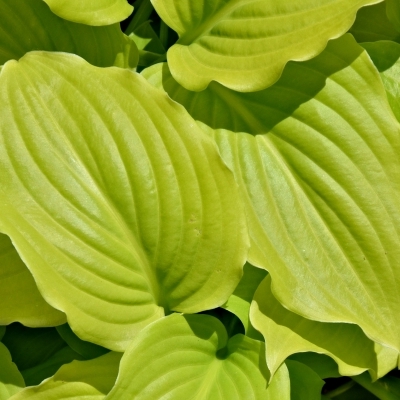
x,y
199,200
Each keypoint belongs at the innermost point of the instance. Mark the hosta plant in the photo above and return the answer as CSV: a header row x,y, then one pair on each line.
x,y
200,199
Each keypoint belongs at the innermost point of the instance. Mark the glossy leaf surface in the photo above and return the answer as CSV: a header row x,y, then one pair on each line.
x,y
182,357
287,333
130,196
28,25
98,12
245,45
329,239
78,380
20,298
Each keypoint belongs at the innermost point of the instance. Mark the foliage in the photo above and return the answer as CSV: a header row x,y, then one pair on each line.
x,y
200,200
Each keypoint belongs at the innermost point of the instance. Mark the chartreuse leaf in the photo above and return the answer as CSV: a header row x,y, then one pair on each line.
x,y
240,300
28,25
11,380
304,382
127,211
98,12
85,349
373,24
386,57
91,379
287,333
35,375
20,298
329,239
190,357
245,45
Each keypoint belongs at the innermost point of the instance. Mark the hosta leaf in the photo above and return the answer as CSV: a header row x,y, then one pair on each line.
x,y
321,185
28,25
35,375
128,210
20,298
373,24
2,332
323,365
31,347
78,380
190,357
99,12
245,45
11,380
86,349
240,300
287,333
150,47
387,388
386,57
393,13
304,382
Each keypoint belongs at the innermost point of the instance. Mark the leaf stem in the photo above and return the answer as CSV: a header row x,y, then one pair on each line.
x,y
142,14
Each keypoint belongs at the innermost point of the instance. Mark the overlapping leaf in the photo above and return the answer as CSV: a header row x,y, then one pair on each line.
x,y
287,333
118,203
386,57
393,13
245,45
190,357
373,24
98,12
27,25
20,298
321,184
78,380
11,381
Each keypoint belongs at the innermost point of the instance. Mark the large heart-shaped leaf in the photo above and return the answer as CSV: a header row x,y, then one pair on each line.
x,y
373,24
98,12
122,211
20,298
11,381
27,25
190,357
244,44
78,380
321,184
287,333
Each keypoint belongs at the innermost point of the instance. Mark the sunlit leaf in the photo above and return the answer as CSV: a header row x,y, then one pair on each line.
x,y
190,357
91,379
99,12
127,211
321,184
287,333
304,382
20,298
27,25
11,380
245,45
373,24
